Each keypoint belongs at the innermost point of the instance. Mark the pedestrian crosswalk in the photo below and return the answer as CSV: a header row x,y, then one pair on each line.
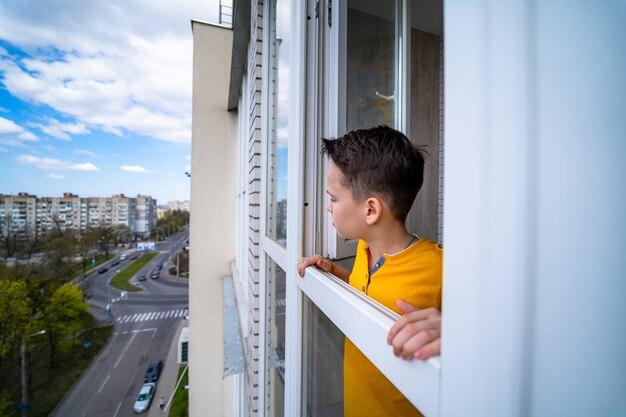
x,y
152,315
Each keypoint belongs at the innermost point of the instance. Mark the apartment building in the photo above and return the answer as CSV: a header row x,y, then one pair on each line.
x,y
25,215
145,216
18,214
178,205
519,107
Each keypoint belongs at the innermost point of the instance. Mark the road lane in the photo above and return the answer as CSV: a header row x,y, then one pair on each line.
x,y
111,383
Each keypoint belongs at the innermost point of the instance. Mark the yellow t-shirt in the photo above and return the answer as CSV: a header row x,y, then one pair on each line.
x,y
414,275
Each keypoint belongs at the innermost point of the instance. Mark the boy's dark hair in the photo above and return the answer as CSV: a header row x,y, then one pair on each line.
x,y
379,161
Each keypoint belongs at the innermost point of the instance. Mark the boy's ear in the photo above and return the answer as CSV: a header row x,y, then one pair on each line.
x,y
374,209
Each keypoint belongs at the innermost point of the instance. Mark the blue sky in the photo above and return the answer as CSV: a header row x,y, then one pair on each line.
x,y
95,96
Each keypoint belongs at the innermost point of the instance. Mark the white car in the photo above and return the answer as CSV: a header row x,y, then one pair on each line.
x,y
143,400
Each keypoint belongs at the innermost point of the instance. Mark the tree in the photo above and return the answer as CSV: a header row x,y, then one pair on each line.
x,y
61,314
15,316
59,250
87,241
105,235
9,236
121,233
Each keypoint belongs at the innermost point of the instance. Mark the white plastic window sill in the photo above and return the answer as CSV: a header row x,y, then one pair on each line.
x,y
366,323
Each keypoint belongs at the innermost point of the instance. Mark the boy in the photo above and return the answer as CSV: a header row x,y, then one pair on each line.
x,y
374,176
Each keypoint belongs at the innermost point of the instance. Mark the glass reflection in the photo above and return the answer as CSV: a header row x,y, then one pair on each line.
x,y
278,120
275,339
371,64
324,364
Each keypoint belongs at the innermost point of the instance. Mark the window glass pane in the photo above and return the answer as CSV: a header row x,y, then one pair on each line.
x,y
339,379
324,364
278,120
275,339
371,64
426,117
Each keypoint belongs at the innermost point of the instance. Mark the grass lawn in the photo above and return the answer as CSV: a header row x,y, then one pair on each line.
x,y
120,281
180,402
50,385
78,269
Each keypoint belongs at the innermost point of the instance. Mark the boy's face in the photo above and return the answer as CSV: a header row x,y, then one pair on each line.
x,y
347,214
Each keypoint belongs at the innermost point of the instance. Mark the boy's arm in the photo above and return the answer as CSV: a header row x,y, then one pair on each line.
x,y
417,334
325,265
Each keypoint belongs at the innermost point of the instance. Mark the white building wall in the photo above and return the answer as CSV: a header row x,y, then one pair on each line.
x,y
212,231
534,318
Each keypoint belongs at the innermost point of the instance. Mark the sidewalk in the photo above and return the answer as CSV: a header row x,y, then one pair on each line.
x,y
168,379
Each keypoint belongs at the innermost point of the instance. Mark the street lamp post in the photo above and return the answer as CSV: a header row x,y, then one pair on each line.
x,y
24,373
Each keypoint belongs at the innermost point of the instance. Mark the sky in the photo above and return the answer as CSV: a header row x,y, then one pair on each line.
x,y
95,96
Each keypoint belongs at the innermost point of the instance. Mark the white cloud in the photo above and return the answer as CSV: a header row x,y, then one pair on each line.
x,y
85,152
55,164
14,134
135,169
60,130
120,67
55,176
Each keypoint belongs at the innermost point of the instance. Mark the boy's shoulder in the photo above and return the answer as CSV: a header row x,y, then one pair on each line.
x,y
431,246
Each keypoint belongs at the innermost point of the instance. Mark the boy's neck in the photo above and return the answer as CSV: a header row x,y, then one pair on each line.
x,y
390,238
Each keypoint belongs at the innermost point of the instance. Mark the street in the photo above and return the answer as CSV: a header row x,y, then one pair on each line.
x,y
144,325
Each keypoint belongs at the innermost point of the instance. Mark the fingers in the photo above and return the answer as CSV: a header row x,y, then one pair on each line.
x,y
417,343
417,334
429,350
317,260
414,316
405,306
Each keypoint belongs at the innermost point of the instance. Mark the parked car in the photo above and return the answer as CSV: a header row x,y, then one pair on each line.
x,y
133,257
154,371
142,277
143,400
102,270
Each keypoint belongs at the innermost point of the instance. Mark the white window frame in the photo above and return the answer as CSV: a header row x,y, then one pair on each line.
x,y
282,257
418,381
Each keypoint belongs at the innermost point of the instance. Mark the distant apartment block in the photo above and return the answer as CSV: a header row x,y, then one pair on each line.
x,y
178,205
171,206
27,215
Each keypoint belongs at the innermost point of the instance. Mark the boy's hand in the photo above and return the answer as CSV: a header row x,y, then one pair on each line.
x,y
317,260
417,334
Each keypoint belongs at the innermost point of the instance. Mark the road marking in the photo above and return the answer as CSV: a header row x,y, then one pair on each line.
x,y
153,315
104,383
124,352
118,409
152,329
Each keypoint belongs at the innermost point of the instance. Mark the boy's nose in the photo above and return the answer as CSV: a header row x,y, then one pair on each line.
x,y
329,208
